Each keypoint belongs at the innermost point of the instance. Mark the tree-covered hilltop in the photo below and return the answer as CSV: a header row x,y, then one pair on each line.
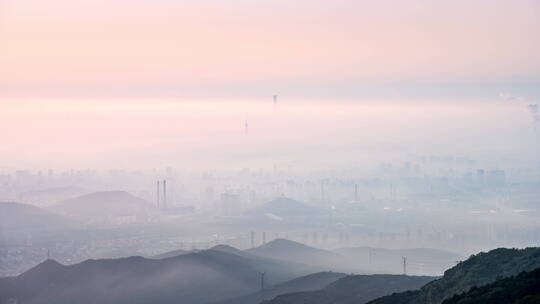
x,y
521,289
479,270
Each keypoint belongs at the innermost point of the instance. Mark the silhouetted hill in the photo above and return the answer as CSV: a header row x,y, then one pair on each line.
x,y
108,205
355,289
277,271
17,216
521,289
193,278
48,196
420,261
306,283
478,270
169,254
299,253
232,250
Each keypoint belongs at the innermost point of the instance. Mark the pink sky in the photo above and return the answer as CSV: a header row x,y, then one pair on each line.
x,y
103,83
205,134
58,46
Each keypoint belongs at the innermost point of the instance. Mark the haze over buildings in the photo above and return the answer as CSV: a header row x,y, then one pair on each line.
x,y
266,141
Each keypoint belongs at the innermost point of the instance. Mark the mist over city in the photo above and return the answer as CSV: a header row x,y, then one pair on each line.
x,y
213,152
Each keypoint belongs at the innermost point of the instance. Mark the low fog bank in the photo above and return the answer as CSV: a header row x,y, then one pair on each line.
x,y
380,176
190,135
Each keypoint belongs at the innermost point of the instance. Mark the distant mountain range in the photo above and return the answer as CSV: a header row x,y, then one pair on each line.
x,y
17,216
106,206
195,278
299,253
170,254
242,253
48,196
292,274
421,261
478,270
305,283
354,289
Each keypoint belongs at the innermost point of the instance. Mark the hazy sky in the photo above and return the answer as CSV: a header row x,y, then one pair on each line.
x,y
124,83
255,48
211,134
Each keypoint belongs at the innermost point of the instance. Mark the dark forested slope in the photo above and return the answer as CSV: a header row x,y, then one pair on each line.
x,y
521,289
478,270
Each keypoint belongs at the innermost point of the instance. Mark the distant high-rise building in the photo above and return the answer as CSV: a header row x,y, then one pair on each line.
x,y
480,176
164,193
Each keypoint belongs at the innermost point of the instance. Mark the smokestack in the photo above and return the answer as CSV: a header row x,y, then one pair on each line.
x,y
157,194
164,194
355,193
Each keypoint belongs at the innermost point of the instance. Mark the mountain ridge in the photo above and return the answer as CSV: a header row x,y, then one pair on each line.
x,y
141,280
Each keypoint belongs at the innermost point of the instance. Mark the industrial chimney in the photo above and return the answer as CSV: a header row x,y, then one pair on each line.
x,y
164,194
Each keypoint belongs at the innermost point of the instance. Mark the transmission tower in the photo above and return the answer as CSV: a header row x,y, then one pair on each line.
x,y
404,265
262,274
